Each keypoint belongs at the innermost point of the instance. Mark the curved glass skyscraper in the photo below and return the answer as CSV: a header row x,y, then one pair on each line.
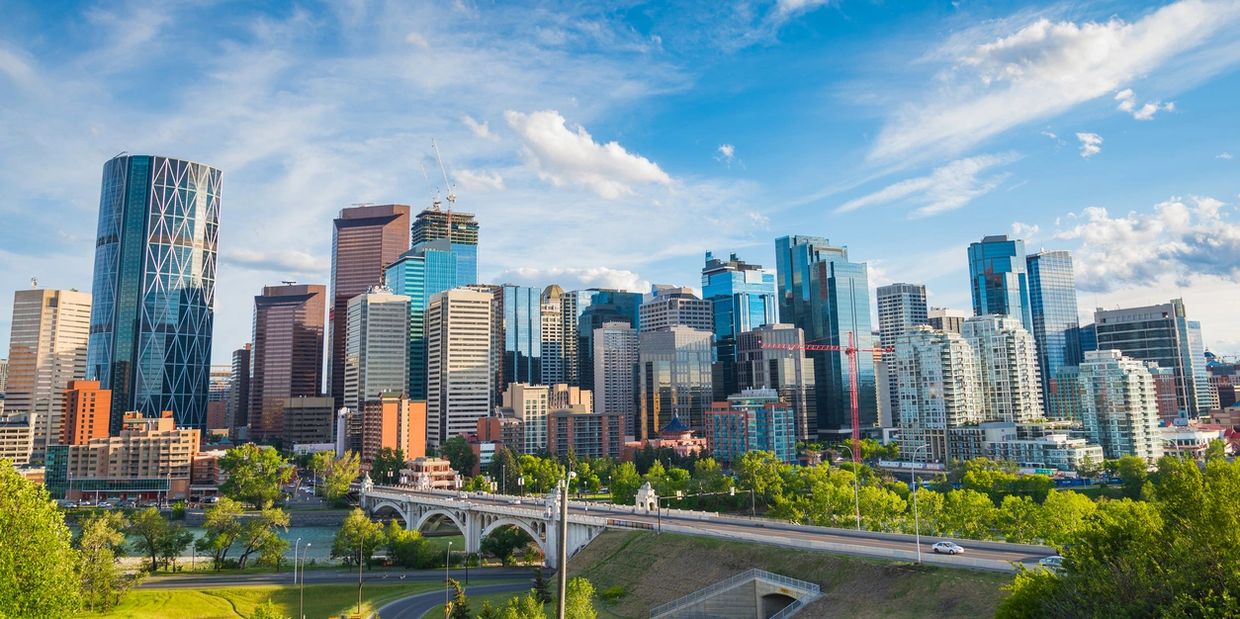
x,y
150,330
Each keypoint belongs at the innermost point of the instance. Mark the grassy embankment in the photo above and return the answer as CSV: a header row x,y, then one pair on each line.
x,y
239,602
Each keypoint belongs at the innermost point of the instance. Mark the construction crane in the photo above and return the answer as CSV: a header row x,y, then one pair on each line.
x,y
851,350
450,192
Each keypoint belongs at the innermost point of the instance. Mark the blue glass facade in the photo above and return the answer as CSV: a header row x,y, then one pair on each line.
x,y
604,306
752,421
520,331
1052,304
998,279
154,281
461,229
742,298
425,270
828,296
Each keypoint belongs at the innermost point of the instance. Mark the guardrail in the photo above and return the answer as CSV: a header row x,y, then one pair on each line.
x,y
736,580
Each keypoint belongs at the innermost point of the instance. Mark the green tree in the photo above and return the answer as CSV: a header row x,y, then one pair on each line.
x,y
503,543
267,610
624,483
457,452
173,545
340,475
579,603
458,608
38,568
762,472
258,533
1132,473
101,541
505,469
406,547
542,589
153,536
488,611
387,465
527,606
357,534
968,514
1063,515
222,526
1019,518
255,474
1216,450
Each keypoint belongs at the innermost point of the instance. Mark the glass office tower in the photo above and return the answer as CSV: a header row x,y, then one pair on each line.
x,y
1052,305
154,287
420,273
828,296
998,279
461,229
605,306
518,319
742,298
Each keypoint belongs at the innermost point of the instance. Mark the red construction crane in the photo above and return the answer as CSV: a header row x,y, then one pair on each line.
x,y
851,350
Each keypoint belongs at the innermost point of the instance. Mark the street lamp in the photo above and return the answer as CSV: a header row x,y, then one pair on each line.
x,y
856,484
753,502
447,560
301,594
296,544
916,517
521,485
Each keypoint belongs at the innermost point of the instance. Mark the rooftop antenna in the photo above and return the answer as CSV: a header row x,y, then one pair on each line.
x,y
34,282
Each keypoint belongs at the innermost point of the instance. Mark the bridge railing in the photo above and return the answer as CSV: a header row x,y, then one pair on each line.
x,y
735,580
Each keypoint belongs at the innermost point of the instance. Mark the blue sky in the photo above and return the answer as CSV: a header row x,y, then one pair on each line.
x,y
612,144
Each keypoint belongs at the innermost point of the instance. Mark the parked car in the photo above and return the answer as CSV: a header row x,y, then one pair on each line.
x,y
211,500
1054,563
947,548
514,501
126,504
66,503
85,503
105,504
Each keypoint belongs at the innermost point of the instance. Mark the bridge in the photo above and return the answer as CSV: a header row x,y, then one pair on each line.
x,y
477,515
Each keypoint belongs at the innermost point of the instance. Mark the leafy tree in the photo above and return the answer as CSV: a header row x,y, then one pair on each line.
x,y
267,610
505,469
541,474
405,547
222,526
271,552
624,483
1063,515
579,602
542,589
156,538
1019,518
457,452
258,535
1216,450
527,606
100,542
477,483
37,565
177,539
387,465
340,475
319,464
458,608
488,611
503,543
762,472
357,533
968,514
255,474
1132,472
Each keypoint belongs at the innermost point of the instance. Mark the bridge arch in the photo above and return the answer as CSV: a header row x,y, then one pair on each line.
x,y
539,537
390,508
427,515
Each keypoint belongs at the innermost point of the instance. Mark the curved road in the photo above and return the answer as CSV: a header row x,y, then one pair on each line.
x,y
320,577
414,606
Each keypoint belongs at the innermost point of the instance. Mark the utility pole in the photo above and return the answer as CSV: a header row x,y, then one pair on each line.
x,y
562,551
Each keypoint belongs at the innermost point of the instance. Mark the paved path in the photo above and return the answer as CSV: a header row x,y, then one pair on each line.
x,y
320,577
415,606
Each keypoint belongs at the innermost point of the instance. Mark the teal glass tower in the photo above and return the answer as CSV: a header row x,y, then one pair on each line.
x,y
828,296
427,269
154,287
998,278
1052,306
461,229
742,298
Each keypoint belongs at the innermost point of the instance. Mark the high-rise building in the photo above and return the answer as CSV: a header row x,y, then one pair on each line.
x,y
151,456
565,396
47,350
393,421
288,353
936,389
667,306
459,372
789,371
615,366
945,319
742,298
375,350
1163,334
1119,405
552,335
573,304
365,240
239,396
88,410
1007,362
154,287
1052,306
307,420
674,378
585,434
604,306
752,420
16,437
218,393
1088,338
999,279
518,337
901,307
4,375
530,405
1207,396
828,297
427,269
461,229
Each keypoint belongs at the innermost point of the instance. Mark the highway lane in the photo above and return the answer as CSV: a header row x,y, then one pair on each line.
x,y
773,532
322,577
415,606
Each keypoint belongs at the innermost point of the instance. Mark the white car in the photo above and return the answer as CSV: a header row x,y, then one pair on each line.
x,y
1054,563
947,548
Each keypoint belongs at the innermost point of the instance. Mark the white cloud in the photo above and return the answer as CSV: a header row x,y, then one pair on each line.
x,y
1128,103
759,219
946,188
1179,237
726,153
1050,134
1225,156
418,40
1091,144
480,129
1027,232
1046,68
576,278
479,179
564,155
293,262
787,8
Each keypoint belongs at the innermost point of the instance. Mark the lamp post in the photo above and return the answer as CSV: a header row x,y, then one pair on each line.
x,y
916,517
856,485
301,594
521,485
561,567
296,544
447,560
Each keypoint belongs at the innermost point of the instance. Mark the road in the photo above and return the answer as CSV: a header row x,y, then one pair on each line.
x,y
986,555
415,606
322,577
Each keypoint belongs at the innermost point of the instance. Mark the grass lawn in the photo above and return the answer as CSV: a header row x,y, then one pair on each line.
x,y
232,603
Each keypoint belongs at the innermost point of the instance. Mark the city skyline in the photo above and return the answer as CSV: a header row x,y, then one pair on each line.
x,y
250,102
